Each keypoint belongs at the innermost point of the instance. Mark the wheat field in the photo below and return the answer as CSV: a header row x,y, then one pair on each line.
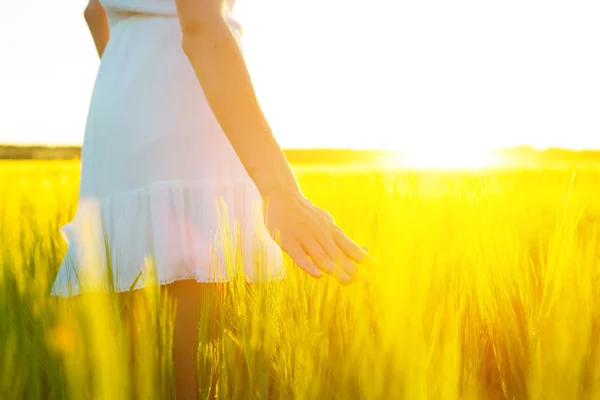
x,y
485,287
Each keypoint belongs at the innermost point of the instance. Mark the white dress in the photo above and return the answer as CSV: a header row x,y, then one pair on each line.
x,y
162,193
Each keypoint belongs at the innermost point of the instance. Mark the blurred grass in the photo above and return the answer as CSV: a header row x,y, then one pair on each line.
x,y
486,287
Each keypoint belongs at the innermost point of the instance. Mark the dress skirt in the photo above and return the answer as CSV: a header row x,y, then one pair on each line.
x,y
163,196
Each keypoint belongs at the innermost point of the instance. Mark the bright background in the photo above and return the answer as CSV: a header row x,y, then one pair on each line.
x,y
343,73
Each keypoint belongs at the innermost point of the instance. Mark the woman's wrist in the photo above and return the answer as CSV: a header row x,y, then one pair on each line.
x,y
277,188
274,176
276,180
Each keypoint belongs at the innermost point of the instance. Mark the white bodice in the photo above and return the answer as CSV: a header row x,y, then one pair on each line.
x,y
160,7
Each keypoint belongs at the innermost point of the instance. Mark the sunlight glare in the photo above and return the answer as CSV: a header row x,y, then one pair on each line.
x,y
448,159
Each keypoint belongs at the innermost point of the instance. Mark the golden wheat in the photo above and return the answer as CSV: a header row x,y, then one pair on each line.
x,y
485,288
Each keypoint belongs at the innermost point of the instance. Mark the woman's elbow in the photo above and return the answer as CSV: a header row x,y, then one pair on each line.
x,y
199,31
204,24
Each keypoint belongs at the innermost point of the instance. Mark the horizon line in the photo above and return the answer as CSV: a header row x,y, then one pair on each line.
x,y
514,147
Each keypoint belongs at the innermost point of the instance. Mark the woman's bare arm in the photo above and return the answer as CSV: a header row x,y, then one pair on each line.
x,y
95,16
217,59
307,233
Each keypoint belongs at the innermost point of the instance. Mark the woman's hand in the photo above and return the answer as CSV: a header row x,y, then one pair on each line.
x,y
311,237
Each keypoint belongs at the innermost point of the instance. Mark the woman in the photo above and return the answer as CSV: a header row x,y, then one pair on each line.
x,y
173,126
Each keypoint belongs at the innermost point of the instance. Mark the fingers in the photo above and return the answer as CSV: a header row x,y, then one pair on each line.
x,y
296,252
338,256
322,259
358,254
319,246
355,252
315,258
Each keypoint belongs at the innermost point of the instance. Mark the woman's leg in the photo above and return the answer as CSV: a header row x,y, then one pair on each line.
x,y
191,299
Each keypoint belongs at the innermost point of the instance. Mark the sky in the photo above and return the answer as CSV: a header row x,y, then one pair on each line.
x,y
385,74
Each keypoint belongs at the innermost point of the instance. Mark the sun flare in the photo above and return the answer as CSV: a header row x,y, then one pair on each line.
x,y
446,159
